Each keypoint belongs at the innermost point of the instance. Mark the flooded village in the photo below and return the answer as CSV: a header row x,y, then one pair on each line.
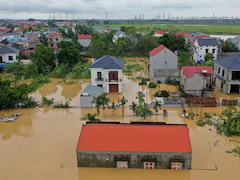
x,y
171,94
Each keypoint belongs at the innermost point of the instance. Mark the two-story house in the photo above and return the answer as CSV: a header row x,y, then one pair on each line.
x,y
227,73
203,46
118,35
163,64
84,39
195,79
107,72
54,38
8,55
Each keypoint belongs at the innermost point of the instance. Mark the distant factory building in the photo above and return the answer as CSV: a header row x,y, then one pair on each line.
x,y
134,146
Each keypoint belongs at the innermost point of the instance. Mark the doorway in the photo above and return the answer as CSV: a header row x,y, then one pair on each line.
x,y
234,88
113,87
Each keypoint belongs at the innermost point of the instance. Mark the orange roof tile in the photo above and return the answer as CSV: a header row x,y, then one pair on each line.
x,y
188,71
158,49
134,138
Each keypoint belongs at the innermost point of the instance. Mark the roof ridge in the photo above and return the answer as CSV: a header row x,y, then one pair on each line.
x,y
112,61
235,59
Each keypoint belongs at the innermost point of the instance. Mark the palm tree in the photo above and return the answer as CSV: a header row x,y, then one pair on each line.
x,y
98,103
133,107
156,105
123,101
141,98
113,107
104,101
92,118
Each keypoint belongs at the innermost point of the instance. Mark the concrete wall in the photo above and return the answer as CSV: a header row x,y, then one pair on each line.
x,y
225,86
5,58
200,52
107,159
84,42
86,102
105,83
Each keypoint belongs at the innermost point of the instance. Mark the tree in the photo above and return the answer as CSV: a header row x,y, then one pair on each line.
x,y
185,58
174,43
208,57
31,70
68,53
123,101
10,25
44,59
81,29
141,98
156,105
133,107
229,46
17,69
92,118
145,44
30,28
104,101
97,102
143,111
44,39
113,107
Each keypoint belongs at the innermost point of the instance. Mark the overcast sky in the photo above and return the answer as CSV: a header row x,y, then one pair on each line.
x,y
123,9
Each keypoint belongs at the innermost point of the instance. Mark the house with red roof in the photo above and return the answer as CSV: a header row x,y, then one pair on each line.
x,y
146,146
18,31
163,63
196,79
84,39
160,33
54,38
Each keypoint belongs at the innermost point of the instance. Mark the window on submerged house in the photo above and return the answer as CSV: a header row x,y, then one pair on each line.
x,y
10,58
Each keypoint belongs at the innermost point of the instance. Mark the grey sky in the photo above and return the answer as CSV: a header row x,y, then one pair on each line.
x,y
116,9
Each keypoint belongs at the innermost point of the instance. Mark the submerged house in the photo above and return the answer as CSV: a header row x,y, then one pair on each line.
x,y
88,94
196,79
118,35
84,39
163,64
8,55
227,73
134,146
107,72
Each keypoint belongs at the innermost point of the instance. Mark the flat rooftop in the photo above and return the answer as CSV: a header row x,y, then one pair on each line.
x,y
134,138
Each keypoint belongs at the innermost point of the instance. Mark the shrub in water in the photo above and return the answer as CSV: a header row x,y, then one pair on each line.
x,y
152,85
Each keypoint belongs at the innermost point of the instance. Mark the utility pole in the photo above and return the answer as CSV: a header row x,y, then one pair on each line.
x,y
106,15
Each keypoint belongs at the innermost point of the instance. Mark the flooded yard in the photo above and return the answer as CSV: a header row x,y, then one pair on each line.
x,y
41,145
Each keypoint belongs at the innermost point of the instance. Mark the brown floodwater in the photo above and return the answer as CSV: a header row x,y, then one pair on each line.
x,y
41,145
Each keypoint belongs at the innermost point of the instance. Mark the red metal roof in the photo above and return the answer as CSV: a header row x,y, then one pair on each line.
x,y
84,36
5,30
188,35
158,49
18,30
161,32
180,34
134,138
203,36
188,71
27,52
192,42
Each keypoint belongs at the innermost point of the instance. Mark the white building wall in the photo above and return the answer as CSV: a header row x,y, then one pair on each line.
x,y
84,42
5,58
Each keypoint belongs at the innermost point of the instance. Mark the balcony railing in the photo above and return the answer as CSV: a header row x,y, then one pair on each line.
x,y
113,80
99,79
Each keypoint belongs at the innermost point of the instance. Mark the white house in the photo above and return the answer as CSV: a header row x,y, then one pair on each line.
x,y
11,35
107,72
203,46
163,63
235,40
84,39
118,35
8,55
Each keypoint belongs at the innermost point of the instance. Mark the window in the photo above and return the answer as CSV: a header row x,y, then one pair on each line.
x,y
1,59
207,50
113,75
213,51
122,164
10,58
57,39
223,73
221,85
200,56
176,165
99,75
219,70
148,165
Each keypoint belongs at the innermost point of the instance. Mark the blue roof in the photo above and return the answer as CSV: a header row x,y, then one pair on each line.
x,y
117,29
17,39
118,33
108,62
230,62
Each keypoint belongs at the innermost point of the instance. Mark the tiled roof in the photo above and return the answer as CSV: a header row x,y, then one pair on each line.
x,y
161,32
158,49
134,138
5,30
207,42
84,36
119,33
108,62
188,35
8,50
26,52
180,34
18,30
189,71
230,62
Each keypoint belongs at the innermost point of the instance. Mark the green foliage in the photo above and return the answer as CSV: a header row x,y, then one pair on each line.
x,y
81,29
162,93
101,101
31,70
133,67
123,101
171,81
143,82
70,82
133,107
16,68
44,39
113,106
174,43
185,58
141,60
68,53
60,71
156,105
38,82
47,102
143,111
145,44
229,46
147,79
208,57
44,59
152,85
92,118
14,96
66,104
81,70
159,82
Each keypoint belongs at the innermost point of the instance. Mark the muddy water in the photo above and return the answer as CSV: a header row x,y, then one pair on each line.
x,y
41,145
219,94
